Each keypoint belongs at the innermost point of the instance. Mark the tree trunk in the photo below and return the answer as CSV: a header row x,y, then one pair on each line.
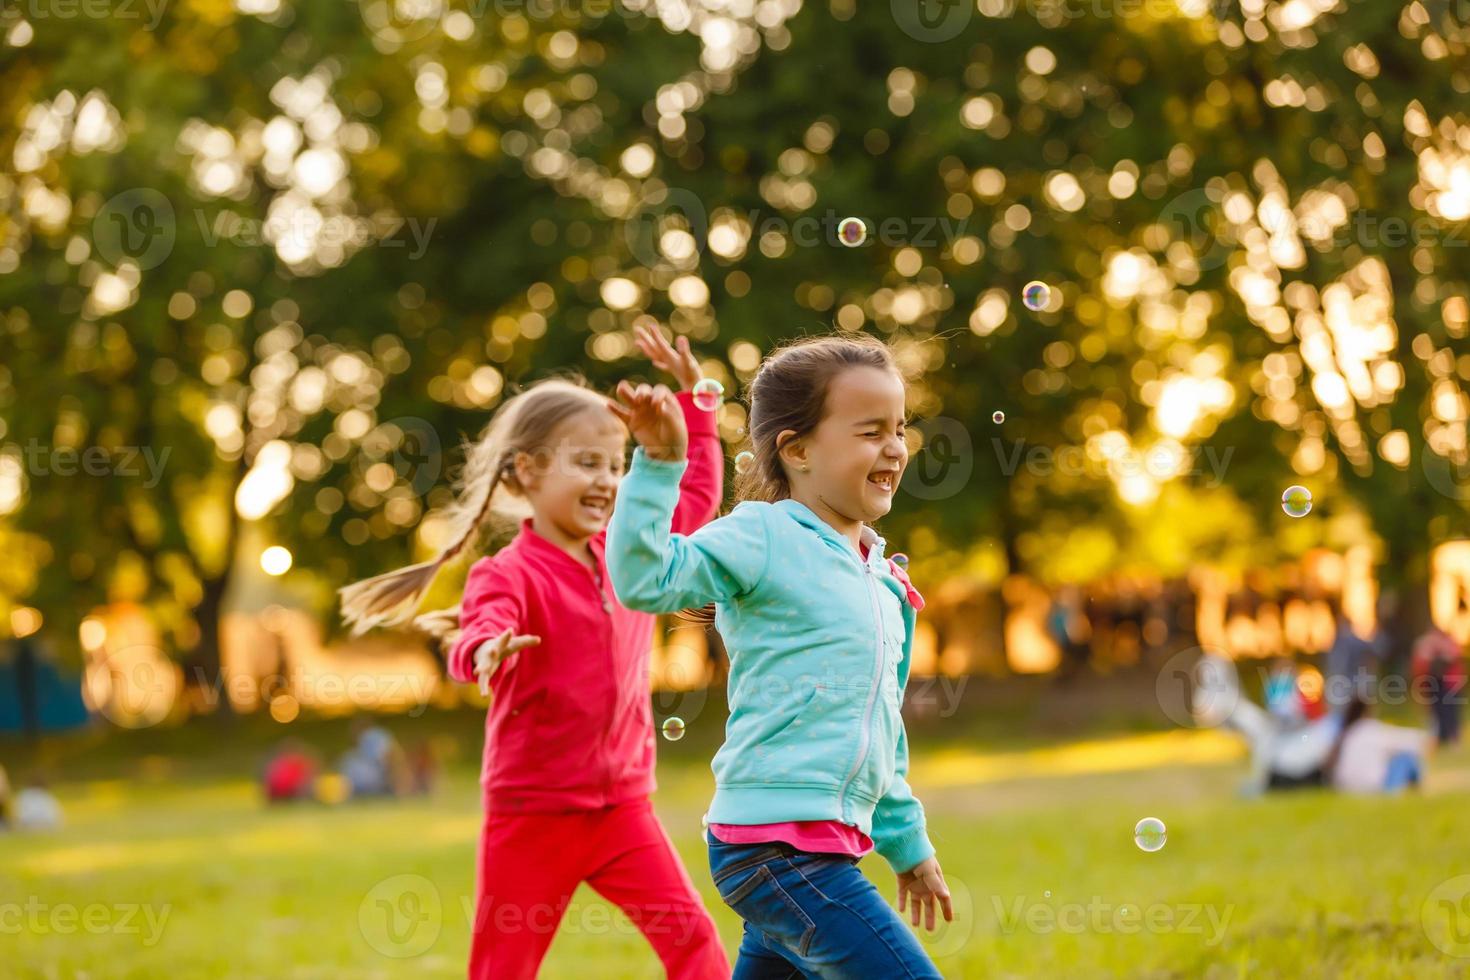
x,y
203,665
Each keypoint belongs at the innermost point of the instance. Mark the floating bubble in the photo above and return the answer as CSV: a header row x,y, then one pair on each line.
x,y
707,394
1149,834
998,417
1036,295
852,232
744,461
1296,501
1048,893
673,729
901,560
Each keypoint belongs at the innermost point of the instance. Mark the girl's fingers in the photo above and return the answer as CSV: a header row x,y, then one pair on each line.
x,y
902,897
944,903
521,642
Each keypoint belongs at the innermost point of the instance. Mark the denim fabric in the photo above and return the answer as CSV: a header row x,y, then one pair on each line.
x,y
812,915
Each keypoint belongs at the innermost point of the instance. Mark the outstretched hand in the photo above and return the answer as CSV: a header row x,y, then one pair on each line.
x,y
652,414
680,363
922,887
488,655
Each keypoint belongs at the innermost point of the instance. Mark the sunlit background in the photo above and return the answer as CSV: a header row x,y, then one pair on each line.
x,y
265,265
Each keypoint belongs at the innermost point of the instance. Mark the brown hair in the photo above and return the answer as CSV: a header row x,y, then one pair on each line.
x,y
524,424
790,392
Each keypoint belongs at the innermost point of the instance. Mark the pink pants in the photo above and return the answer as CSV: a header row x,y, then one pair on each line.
x,y
530,864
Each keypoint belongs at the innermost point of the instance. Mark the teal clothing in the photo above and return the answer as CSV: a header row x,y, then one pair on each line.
x,y
819,642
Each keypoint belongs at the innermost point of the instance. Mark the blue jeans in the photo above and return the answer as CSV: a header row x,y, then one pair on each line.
x,y
1403,770
812,915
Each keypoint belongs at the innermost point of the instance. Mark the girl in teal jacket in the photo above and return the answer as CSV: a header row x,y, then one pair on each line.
x,y
819,628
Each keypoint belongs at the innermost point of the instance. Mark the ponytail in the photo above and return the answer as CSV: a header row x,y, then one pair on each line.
x,y
392,598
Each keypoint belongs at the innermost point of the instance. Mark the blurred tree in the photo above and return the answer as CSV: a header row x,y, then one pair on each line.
x,y
251,244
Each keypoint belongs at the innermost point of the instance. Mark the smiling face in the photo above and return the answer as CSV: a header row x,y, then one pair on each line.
x,y
571,485
848,467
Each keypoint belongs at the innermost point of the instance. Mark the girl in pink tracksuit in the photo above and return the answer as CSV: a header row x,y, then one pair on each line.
x,y
569,741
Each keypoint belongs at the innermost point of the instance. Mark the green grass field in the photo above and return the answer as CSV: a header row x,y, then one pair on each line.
x,y
170,866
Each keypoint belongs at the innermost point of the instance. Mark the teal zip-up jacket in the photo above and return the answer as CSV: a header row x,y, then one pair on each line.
x,y
819,643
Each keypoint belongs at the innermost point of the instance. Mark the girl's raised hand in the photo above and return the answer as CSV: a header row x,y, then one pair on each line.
x,y
652,414
681,363
489,654
921,887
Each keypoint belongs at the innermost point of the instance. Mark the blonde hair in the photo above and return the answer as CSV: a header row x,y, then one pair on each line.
x,y
524,424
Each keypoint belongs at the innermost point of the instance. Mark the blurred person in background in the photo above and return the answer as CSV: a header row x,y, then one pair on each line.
x,y
370,764
1352,662
423,768
1372,756
36,808
1440,662
290,774
1283,754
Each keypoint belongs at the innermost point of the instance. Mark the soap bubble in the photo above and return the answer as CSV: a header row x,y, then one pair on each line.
x,y
1036,295
673,729
707,394
901,560
744,461
998,417
852,232
1296,501
1149,834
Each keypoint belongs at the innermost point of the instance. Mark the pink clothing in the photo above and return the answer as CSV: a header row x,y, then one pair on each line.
x,y
531,864
813,836
571,723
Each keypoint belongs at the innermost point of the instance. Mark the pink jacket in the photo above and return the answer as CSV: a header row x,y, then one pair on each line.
x,y
571,725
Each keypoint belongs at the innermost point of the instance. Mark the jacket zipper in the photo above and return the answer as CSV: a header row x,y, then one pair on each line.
x,y
612,672
872,690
